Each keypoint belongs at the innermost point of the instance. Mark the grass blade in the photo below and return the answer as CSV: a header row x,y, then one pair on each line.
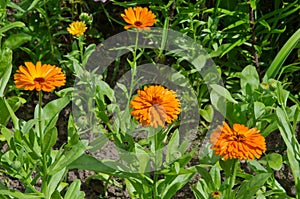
x,y
293,147
282,56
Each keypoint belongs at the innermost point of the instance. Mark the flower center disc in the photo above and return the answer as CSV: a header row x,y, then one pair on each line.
x,y
138,23
239,137
39,79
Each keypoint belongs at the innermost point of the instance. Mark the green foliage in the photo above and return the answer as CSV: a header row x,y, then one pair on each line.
x,y
282,55
255,45
31,150
293,147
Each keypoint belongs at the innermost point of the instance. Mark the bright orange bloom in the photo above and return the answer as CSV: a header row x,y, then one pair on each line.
x,y
240,142
154,106
138,17
216,194
39,77
77,28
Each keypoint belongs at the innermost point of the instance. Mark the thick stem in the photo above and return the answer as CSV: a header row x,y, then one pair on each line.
x,y
40,114
41,134
80,44
232,178
133,66
153,147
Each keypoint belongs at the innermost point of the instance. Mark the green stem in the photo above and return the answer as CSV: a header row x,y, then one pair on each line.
x,y
49,30
28,184
40,114
232,178
80,44
41,134
155,136
106,186
135,46
155,177
133,66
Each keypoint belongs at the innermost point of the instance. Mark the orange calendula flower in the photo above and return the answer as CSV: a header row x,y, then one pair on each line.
x,y
216,194
155,105
138,17
39,77
77,28
239,142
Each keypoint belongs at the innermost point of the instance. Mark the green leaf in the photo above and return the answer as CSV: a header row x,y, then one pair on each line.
x,y
199,194
251,186
215,174
220,90
5,69
249,76
175,185
265,24
207,113
15,6
282,55
199,61
282,95
132,190
14,118
207,178
56,195
16,40
87,53
63,92
219,50
293,147
4,112
72,132
235,44
274,160
105,89
257,166
6,135
33,4
67,158
172,147
74,191
253,4
14,102
54,107
227,166
237,112
3,5
54,182
259,109
123,88
235,24
50,138
142,157
17,194
11,25
86,162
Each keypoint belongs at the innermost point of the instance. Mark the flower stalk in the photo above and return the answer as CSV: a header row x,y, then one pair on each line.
x,y
232,178
41,134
